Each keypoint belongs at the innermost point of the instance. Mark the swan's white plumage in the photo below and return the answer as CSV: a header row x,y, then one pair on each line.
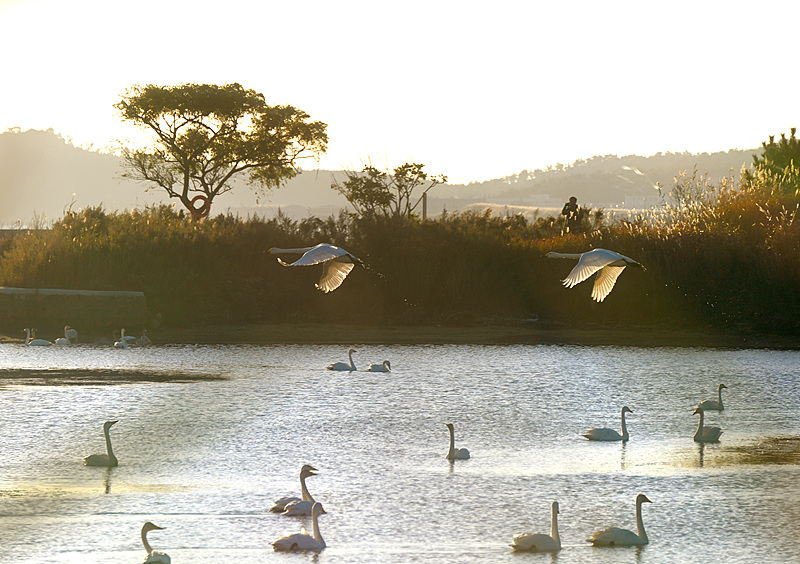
x,y
153,556
614,536
712,405
385,366
303,541
336,263
454,453
70,337
705,434
538,542
606,434
107,459
343,365
607,265
297,506
122,343
31,340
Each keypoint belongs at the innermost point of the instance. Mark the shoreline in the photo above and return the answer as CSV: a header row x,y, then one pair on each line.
x,y
496,334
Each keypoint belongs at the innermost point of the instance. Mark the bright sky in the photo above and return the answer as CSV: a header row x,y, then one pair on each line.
x,y
472,90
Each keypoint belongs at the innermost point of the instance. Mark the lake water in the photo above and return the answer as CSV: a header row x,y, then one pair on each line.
x,y
209,436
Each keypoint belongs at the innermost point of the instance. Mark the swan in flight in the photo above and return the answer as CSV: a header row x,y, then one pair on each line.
x,y
291,505
336,263
31,340
454,453
343,365
303,541
606,434
614,536
607,264
539,542
711,405
103,459
153,556
122,343
385,366
705,434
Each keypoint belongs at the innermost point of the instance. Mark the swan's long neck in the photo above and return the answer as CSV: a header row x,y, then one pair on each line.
x,y
554,525
553,254
145,543
639,523
315,525
624,427
108,444
28,335
719,394
304,490
699,432
451,452
350,356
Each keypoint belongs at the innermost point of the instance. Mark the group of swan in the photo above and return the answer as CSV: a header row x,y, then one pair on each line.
x,y
702,435
124,341
337,264
297,506
610,536
305,505
384,366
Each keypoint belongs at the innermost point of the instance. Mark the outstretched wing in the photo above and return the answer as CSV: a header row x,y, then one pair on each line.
x,y
333,274
604,281
318,254
588,264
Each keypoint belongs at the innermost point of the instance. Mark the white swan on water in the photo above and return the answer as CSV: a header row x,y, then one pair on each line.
x,y
70,337
31,340
539,542
454,453
614,536
336,263
107,459
606,434
291,505
303,541
122,343
711,405
607,264
343,365
153,556
385,366
705,434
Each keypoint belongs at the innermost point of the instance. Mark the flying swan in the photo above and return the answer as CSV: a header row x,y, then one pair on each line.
x,y
538,542
607,264
614,536
303,541
705,434
153,556
454,453
711,405
343,365
606,434
103,459
385,366
291,505
336,263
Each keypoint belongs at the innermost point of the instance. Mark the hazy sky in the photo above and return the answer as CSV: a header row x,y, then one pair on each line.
x,y
472,90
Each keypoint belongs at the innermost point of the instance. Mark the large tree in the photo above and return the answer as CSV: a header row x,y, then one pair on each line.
x,y
206,134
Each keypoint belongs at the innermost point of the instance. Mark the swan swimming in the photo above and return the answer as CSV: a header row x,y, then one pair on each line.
x,y
606,434
705,434
103,459
32,341
538,542
614,536
153,556
385,366
144,340
294,506
454,453
607,264
303,541
336,263
343,365
70,337
122,343
711,405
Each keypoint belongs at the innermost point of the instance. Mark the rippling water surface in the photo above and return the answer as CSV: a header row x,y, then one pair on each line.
x,y
209,436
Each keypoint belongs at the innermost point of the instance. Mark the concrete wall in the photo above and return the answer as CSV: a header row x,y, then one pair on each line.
x,y
49,310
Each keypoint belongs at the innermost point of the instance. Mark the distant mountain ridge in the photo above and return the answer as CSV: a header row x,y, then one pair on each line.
x,y
42,175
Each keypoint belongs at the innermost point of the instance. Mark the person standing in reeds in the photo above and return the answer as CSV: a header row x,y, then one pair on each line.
x,y
570,212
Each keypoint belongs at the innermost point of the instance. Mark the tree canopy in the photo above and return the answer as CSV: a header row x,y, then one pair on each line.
x,y
205,135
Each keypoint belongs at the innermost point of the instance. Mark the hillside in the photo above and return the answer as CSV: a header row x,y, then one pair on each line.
x,y
42,175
